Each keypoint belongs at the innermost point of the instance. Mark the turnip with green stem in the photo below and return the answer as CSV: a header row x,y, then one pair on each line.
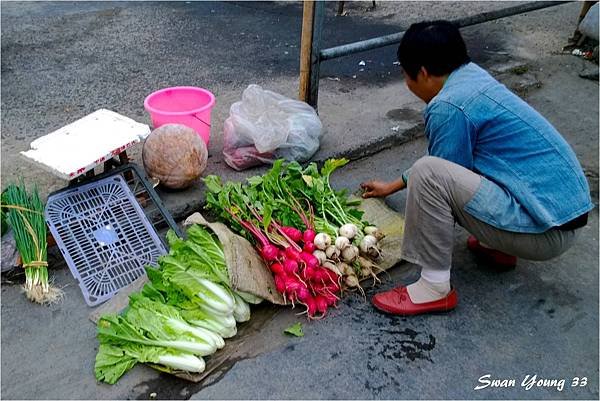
x,y
350,254
368,246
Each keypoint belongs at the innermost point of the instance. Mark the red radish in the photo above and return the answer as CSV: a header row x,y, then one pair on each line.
x,y
291,282
283,238
292,297
309,247
311,307
277,268
308,273
292,286
309,236
309,259
321,303
331,299
292,254
290,266
269,252
320,275
280,283
303,294
331,276
334,287
294,234
319,286
323,288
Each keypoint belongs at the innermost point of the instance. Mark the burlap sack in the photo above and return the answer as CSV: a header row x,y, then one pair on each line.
x,y
391,223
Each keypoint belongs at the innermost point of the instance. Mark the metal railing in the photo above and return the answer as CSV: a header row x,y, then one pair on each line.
x,y
311,94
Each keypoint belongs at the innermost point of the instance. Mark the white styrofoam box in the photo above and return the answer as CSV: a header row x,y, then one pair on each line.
x,y
82,145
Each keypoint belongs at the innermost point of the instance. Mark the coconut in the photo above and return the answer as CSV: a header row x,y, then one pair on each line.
x,y
175,155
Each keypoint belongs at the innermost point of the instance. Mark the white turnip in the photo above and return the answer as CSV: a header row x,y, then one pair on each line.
x,y
332,252
348,230
342,243
322,241
350,254
333,267
374,231
320,255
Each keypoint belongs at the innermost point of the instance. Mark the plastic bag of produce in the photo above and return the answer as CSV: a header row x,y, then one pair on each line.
x,y
265,126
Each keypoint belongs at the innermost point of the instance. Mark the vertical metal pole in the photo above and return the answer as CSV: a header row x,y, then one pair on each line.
x,y
305,49
319,16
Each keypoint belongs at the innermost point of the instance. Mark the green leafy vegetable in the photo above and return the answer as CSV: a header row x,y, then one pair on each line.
x,y
173,319
208,248
200,290
295,330
184,311
280,192
117,330
241,310
112,361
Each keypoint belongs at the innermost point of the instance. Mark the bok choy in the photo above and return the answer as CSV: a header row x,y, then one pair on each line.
x,y
114,361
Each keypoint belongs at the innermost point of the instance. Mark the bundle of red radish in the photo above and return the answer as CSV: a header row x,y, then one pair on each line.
x,y
336,247
299,276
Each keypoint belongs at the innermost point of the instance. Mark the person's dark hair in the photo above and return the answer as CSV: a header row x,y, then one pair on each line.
x,y
436,45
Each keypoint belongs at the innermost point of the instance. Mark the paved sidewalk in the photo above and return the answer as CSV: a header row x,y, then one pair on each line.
x,y
61,61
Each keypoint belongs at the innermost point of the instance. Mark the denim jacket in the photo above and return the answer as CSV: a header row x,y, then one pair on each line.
x,y
531,179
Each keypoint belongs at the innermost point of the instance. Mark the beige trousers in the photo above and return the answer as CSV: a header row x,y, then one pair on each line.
x,y
438,190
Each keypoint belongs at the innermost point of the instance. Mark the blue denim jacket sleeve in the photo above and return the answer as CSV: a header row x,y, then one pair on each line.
x,y
452,136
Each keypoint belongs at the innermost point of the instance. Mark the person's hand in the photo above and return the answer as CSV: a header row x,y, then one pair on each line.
x,y
376,189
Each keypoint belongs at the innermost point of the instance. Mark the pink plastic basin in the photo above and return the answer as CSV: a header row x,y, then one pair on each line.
x,y
185,105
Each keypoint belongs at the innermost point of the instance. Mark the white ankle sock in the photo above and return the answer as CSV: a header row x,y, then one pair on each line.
x,y
423,291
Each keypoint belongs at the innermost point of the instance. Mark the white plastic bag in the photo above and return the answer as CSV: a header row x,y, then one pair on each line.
x,y
589,25
266,126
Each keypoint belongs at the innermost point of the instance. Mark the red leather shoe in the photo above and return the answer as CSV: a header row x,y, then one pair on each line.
x,y
497,258
398,302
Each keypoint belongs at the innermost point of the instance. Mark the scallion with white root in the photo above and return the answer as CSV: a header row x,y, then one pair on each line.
x,y
25,215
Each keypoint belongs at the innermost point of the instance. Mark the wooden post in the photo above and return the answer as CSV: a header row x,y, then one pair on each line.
x,y
315,56
306,48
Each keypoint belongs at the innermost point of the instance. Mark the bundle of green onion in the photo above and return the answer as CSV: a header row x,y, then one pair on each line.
x,y
25,215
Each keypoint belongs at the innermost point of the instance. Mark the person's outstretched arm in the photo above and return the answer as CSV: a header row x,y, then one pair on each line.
x,y
379,189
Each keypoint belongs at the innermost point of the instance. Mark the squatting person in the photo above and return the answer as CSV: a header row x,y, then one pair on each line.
x,y
495,166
